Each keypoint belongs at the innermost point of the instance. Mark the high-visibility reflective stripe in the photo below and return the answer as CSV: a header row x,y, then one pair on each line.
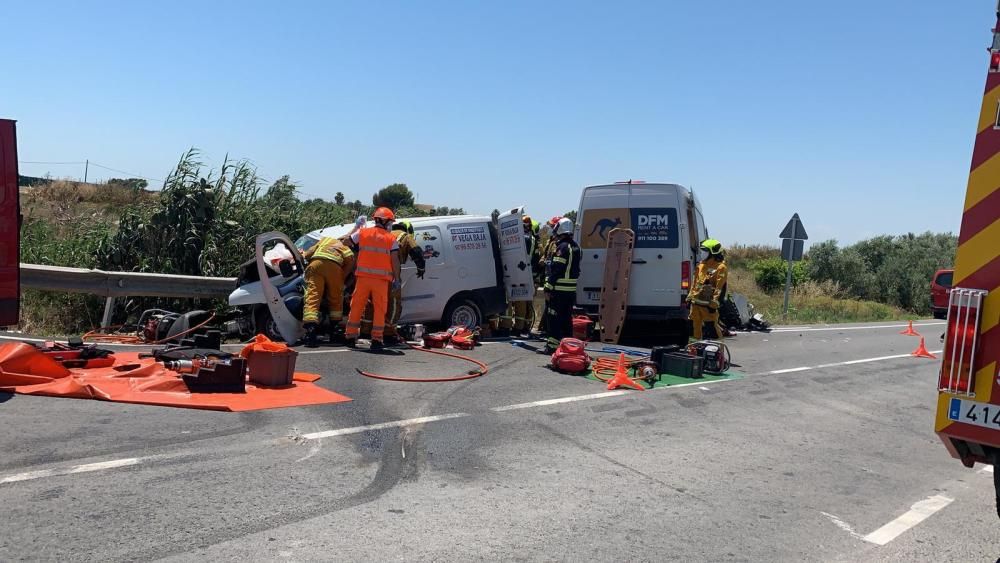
x,y
560,260
374,271
375,249
566,288
353,325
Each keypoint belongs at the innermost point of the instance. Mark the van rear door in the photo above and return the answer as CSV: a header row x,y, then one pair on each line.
x,y
655,211
10,226
602,208
518,281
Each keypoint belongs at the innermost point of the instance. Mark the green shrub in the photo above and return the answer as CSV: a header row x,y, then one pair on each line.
x,y
770,274
891,270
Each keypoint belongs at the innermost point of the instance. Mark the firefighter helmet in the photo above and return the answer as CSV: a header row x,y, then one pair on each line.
x,y
385,214
563,227
403,225
712,246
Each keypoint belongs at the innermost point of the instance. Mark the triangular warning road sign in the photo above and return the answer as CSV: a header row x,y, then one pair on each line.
x,y
794,229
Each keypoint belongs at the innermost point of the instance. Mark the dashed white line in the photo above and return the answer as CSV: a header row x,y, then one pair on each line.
x,y
561,400
987,469
919,512
383,425
847,363
86,468
788,370
818,329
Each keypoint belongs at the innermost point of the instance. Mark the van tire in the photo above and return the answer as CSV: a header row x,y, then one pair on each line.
x,y
464,311
264,324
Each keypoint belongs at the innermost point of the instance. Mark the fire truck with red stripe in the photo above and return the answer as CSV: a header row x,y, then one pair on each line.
x,y
968,409
10,226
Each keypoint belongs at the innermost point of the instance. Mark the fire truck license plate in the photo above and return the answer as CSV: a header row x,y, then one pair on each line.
x,y
976,414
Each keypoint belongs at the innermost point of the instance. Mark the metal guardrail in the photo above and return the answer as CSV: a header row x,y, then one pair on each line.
x,y
123,284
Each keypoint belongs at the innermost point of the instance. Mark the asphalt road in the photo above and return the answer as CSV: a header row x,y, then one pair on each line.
x,y
835,461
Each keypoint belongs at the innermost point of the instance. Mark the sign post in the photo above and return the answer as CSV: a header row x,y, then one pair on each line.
x,y
792,242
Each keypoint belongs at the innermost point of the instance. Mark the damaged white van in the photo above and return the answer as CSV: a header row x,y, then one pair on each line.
x,y
472,269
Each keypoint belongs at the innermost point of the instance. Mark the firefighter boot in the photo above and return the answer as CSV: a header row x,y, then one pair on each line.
x,y
312,339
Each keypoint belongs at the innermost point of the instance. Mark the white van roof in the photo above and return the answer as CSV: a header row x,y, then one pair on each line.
x,y
341,230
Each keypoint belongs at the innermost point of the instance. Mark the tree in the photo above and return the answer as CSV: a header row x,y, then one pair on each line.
x,y
339,198
393,196
571,215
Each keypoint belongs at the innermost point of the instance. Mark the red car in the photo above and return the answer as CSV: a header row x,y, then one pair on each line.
x,y
940,288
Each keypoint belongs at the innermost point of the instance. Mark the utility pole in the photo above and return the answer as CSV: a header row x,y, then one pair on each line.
x,y
86,168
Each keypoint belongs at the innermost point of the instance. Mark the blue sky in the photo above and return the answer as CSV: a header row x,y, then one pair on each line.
x,y
858,115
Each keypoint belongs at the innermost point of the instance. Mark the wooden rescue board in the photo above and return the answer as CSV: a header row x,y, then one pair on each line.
x,y
614,290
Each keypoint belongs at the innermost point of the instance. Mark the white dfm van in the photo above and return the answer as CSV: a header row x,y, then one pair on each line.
x,y
473,269
669,227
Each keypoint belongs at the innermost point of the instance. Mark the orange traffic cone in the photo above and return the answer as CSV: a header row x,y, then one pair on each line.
x,y
921,351
909,331
621,378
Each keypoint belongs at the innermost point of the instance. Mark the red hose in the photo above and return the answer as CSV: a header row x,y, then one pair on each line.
x,y
471,375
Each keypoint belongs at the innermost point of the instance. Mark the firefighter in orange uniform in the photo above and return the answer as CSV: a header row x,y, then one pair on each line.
x,y
330,262
376,273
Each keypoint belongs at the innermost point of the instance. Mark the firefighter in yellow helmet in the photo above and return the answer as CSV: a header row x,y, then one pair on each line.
x,y
330,262
708,289
408,249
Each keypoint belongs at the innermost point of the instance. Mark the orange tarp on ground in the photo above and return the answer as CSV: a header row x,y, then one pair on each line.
x,y
26,370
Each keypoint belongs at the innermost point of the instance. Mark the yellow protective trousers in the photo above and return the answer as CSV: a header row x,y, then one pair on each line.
x,y
323,278
701,314
393,311
523,315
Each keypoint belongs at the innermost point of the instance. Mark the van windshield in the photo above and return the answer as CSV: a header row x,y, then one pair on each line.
x,y
305,242
944,279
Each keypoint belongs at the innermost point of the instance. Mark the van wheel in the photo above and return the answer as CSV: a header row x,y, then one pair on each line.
x,y
264,324
462,311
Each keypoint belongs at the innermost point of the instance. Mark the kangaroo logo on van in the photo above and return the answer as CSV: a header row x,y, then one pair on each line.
x,y
595,224
604,225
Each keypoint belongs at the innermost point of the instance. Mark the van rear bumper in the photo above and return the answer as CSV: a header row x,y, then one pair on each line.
x,y
647,313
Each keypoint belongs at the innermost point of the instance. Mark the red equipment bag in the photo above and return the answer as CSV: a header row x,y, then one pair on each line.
x,y
571,356
436,339
463,338
581,327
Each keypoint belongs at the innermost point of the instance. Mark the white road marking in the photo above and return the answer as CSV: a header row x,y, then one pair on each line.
x,y
842,525
383,425
919,512
325,351
788,370
558,401
987,469
86,468
847,363
817,329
